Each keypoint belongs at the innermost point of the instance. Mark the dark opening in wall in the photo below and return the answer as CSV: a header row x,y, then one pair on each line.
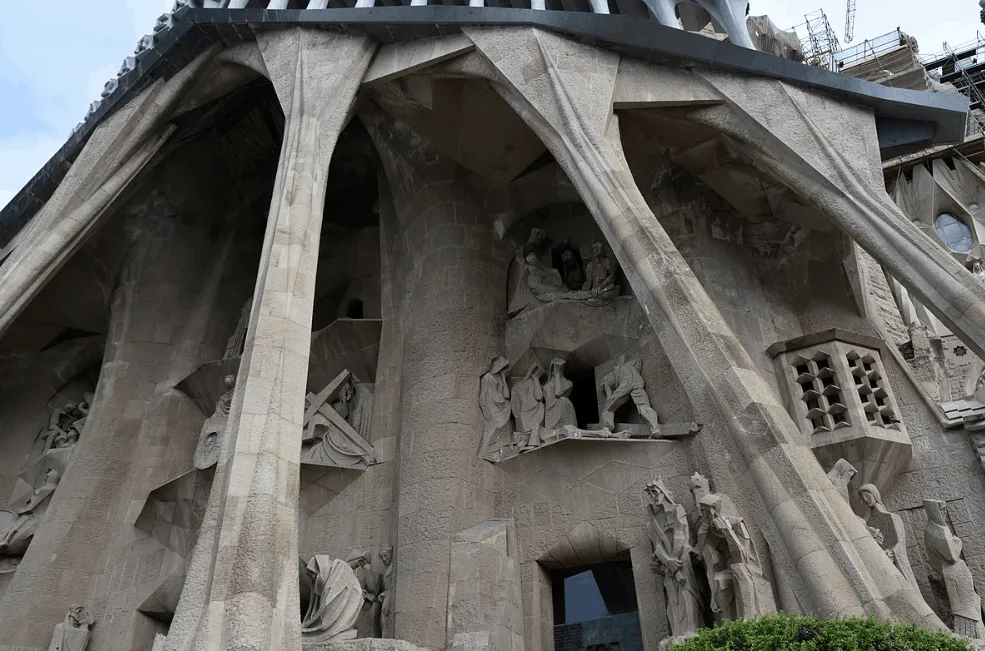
x,y
595,606
583,397
354,310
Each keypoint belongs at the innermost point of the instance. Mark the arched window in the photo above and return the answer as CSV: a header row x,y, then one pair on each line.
x,y
954,233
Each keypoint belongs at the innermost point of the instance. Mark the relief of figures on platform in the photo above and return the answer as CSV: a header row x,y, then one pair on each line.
x,y
337,422
561,273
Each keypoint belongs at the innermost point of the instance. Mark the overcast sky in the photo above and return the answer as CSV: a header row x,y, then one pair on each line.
x,y
55,56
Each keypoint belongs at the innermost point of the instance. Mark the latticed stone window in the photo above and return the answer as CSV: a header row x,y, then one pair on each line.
x,y
837,392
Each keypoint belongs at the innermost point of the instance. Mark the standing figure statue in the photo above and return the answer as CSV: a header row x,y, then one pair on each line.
x,y
739,589
600,274
19,523
623,382
494,403
891,533
210,437
670,537
944,555
73,633
368,622
387,595
335,603
558,410
528,407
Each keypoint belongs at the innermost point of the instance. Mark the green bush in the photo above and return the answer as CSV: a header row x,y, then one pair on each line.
x,y
785,632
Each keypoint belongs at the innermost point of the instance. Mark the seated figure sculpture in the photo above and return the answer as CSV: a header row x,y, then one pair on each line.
x,y
337,425
335,603
19,523
73,633
623,382
739,589
210,437
944,556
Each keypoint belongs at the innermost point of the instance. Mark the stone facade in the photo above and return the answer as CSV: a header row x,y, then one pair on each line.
x,y
329,342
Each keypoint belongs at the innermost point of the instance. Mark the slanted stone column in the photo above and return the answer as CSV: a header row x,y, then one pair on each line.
x,y
452,302
750,440
242,588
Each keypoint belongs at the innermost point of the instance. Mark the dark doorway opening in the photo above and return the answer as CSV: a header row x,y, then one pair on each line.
x,y
595,608
584,397
354,310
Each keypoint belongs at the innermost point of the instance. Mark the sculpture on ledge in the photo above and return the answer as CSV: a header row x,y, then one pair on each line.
x,y
528,407
19,523
234,346
558,410
336,601
670,539
210,437
73,633
944,555
738,588
368,621
337,425
494,403
66,423
887,528
620,384
387,594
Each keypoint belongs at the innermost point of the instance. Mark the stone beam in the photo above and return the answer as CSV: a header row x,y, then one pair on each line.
x,y
122,146
828,152
242,588
565,96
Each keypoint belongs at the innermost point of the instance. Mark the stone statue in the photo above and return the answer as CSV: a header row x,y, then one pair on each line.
x,y
368,622
600,275
840,476
210,437
558,410
66,423
944,555
494,402
528,406
19,523
567,258
892,534
387,595
670,537
623,382
234,346
978,270
738,587
336,601
110,87
337,433
73,633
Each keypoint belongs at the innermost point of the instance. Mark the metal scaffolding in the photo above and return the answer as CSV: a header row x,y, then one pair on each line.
x,y
822,42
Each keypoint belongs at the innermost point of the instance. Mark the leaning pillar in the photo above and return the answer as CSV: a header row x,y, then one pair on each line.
x,y
452,298
242,591
566,100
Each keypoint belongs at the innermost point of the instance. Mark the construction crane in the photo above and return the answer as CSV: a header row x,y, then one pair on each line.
x,y
850,22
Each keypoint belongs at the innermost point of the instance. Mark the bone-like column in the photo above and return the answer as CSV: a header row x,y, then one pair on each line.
x,y
242,589
116,152
754,441
828,153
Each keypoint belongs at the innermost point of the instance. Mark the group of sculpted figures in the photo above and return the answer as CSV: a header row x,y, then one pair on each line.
x,y
568,278
943,549
734,586
348,599
535,411
337,423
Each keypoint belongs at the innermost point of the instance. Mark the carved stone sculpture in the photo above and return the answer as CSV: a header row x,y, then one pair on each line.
x,y
978,270
892,534
558,410
620,384
234,346
840,476
944,555
210,438
336,601
600,274
387,594
494,402
66,423
73,633
528,406
368,621
738,587
670,537
568,259
19,523
337,425
110,87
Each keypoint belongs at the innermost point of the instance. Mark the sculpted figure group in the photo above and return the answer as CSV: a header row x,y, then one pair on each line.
x,y
538,410
733,578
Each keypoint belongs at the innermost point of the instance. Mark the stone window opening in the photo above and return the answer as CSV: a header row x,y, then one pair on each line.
x,y
821,393
596,606
870,385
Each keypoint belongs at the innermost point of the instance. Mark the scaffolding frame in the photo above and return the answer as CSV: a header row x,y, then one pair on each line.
x,y
822,43
963,66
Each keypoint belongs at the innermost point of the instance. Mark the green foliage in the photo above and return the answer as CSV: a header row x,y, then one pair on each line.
x,y
784,632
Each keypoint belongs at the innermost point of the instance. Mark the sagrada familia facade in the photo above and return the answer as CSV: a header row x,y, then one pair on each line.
x,y
518,326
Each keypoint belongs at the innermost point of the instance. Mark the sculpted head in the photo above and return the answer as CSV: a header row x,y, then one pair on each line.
x,y
596,249
498,365
229,381
844,470
357,559
936,511
658,493
870,495
711,507
699,484
386,555
537,236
